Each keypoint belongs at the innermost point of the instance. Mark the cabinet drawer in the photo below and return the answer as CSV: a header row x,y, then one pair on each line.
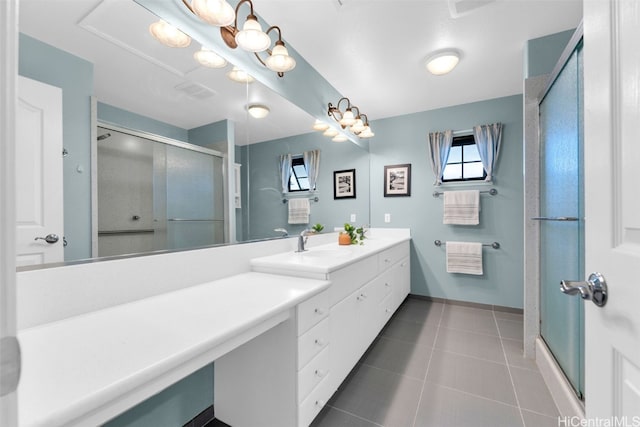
x,y
312,342
311,406
392,255
312,311
311,375
348,279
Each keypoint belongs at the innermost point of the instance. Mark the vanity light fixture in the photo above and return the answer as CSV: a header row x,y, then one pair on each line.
x,y
442,61
330,132
209,58
320,125
279,59
169,35
339,138
350,118
214,12
258,111
240,76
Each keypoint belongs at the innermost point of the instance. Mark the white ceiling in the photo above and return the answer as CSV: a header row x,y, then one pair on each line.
x,y
372,51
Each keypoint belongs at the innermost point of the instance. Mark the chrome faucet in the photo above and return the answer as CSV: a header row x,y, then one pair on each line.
x,y
284,232
302,239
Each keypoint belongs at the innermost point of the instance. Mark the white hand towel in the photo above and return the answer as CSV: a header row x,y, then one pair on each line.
x,y
464,257
461,207
299,211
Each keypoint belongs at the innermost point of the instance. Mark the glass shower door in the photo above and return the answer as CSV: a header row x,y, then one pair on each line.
x,y
561,221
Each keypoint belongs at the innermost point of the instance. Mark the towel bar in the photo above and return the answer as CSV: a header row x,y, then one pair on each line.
x,y
492,192
314,199
494,245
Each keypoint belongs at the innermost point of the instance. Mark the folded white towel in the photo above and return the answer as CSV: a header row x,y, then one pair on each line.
x,y
464,257
299,211
461,207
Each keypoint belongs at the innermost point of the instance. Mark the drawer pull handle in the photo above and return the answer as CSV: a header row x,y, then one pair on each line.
x,y
320,403
387,285
387,260
319,342
388,310
361,297
320,373
404,264
319,311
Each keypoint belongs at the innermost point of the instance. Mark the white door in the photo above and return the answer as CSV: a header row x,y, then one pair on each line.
x,y
39,203
612,202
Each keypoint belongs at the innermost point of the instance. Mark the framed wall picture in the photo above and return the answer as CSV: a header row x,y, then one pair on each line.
x,y
344,184
397,180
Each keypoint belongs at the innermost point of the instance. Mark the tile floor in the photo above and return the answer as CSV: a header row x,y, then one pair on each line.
x,y
443,365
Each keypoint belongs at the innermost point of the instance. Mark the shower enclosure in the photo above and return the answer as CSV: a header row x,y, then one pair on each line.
x,y
562,218
156,195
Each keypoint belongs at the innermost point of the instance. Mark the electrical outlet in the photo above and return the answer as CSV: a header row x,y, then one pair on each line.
x,y
353,218
387,217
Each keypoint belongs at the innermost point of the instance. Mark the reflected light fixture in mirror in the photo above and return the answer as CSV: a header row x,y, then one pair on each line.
x,y
339,138
357,123
240,76
258,111
330,132
210,59
319,125
169,35
442,62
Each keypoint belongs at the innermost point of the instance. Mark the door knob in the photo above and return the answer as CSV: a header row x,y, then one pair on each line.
x,y
49,238
594,289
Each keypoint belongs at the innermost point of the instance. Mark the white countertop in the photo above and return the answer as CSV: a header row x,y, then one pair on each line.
x,y
86,369
324,259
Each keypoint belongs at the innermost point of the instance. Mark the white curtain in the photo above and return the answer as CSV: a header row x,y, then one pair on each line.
x,y
439,146
488,139
312,163
285,171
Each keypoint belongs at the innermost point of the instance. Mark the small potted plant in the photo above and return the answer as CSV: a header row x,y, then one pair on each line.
x,y
351,235
317,228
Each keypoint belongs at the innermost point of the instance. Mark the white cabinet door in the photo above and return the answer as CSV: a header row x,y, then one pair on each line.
x,y
343,330
39,203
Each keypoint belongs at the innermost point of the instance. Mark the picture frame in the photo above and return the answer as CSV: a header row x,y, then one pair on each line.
x,y
397,180
344,184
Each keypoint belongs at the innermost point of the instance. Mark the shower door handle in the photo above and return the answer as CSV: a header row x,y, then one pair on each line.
x,y
594,289
555,218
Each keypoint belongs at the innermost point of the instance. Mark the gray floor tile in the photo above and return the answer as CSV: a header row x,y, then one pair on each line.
x,y
420,311
469,319
531,419
483,346
471,375
515,355
444,407
332,417
379,396
533,393
507,315
412,332
399,357
510,329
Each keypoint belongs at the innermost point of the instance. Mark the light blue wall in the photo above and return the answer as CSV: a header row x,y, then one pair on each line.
x,y
210,136
262,185
404,140
47,64
541,54
117,116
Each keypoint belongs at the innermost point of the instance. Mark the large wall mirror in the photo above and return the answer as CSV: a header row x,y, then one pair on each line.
x,y
139,103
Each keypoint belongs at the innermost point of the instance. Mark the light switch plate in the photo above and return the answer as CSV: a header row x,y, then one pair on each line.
x,y
387,217
353,218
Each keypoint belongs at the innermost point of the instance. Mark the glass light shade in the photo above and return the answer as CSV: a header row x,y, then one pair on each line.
x,y
357,127
279,60
209,58
169,35
330,132
239,76
252,38
215,12
348,118
443,62
320,125
339,138
366,133
258,111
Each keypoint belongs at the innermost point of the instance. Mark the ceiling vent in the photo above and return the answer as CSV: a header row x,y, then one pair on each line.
x,y
195,90
458,8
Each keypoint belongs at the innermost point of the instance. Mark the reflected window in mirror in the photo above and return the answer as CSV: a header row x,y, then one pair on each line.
x,y
299,180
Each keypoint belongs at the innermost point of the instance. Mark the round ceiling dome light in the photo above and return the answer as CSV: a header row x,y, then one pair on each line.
x,y
258,111
442,61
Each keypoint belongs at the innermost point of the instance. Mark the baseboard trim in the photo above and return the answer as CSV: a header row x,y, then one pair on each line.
x,y
566,400
469,304
202,419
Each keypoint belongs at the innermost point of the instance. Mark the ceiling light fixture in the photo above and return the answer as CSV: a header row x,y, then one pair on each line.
x,y
356,122
240,76
258,111
209,58
442,61
169,35
250,37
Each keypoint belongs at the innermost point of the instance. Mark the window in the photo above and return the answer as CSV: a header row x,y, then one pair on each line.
x,y
299,180
464,162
